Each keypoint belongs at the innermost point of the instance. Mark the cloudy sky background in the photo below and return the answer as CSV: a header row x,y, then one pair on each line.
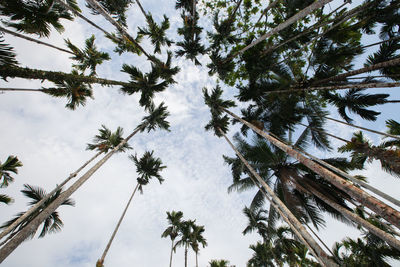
x,y
50,141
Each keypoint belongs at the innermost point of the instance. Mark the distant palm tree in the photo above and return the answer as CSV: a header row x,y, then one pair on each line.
x,y
89,57
219,263
7,55
174,219
147,167
156,33
197,240
156,119
52,222
147,84
116,8
165,70
9,166
185,234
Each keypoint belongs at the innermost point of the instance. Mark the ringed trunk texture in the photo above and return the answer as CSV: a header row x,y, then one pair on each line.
x,y
363,128
41,202
389,63
28,73
8,248
355,218
117,227
337,87
384,210
355,180
317,251
34,40
301,14
119,27
76,13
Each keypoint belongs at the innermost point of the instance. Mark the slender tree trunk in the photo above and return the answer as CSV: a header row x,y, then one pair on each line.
x,y
170,257
271,5
280,207
381,208
392,101
43,200
117,227
389,63
337,87
319,24
23,234
28,73
142,9
186,251
355,180
197,263
34,40
388,158
363,128
320,240
76,13
232,16
355,218
384,41
306,11
119,27
328,134
21,90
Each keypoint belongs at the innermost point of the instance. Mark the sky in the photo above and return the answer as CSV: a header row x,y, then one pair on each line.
x,y
50,141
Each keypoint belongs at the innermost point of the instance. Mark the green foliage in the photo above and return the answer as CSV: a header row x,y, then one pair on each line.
x,y
107,140
7,54
116,8
51,224
156,33
11,165
88,58
156,119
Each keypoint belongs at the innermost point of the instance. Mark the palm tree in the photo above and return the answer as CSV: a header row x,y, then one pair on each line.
x,y
363,150
147,84
257,219
52,222
219,263
156,33
174,219
156,119
147,167
35,17
197,240
214,102
89,57
220,125
185,230
75,91
262,255
102,142
9,166
393,129
165,70
36,74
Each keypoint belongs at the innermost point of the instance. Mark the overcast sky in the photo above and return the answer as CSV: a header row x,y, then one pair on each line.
x,y
50,141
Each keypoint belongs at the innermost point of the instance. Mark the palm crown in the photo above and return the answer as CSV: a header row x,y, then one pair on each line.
x,y
156,33
106,140
174,220
147,167
156,119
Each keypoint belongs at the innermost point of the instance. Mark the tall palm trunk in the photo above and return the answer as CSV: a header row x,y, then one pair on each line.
x,y
47,197
117,227
337,87
20,90
374,204
354,180
76,13
389,63
120,28
324,132
363,128
306,11
320,240
384,41
141,8
170,257
34,40
197,263
271,5
22,235
27,73
282,209
355,218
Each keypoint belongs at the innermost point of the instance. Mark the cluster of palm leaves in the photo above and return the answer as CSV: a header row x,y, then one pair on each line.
x,y
189,233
